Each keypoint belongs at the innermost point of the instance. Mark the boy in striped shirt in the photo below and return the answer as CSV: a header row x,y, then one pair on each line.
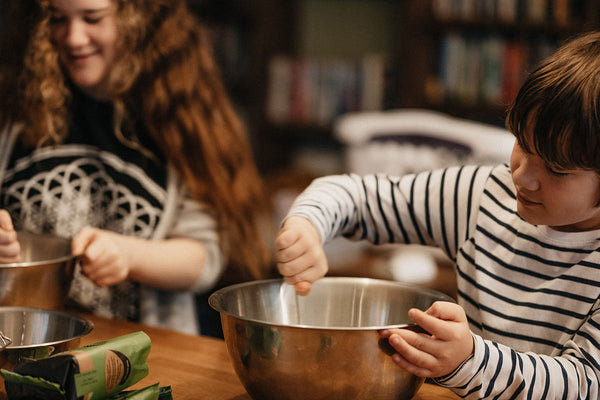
x,y
524,237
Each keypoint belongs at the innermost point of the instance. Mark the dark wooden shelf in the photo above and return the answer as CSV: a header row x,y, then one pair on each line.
x,y
422,33
507,28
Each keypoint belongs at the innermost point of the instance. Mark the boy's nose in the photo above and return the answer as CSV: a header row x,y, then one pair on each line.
x,y
525,177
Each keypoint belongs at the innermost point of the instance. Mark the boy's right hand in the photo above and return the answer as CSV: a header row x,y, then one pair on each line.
x,y
10,249
300,256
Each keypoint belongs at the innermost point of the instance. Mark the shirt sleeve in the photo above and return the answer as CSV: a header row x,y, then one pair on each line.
x,y
430,208
193,220
497,371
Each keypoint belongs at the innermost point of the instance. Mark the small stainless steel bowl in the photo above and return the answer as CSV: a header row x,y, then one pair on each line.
x,y
38,333
41,279
321,346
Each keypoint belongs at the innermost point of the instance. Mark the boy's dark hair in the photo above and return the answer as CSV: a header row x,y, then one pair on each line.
x,y
560,103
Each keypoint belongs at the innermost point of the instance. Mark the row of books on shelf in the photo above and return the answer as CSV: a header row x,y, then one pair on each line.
x,y
315,91
488,69
560,12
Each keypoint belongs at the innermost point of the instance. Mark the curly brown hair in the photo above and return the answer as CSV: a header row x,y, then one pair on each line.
x,y
166,78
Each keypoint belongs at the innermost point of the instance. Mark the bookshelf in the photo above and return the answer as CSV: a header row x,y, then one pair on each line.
x,y
291,67
341,59
469,57
326,57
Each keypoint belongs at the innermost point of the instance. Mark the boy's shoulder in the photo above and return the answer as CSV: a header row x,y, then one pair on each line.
x,y
488,180
501,170
500,177
484,172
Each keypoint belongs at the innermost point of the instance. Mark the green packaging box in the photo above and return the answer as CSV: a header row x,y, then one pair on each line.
x,y
91,372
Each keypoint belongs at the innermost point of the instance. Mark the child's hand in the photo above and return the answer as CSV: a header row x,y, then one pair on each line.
x,y
300,256
437,355
103,258
10,249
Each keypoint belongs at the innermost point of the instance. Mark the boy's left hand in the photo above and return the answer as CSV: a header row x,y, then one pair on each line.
x,y
449,344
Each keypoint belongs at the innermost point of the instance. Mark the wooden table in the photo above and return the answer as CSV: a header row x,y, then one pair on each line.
x,y
197,367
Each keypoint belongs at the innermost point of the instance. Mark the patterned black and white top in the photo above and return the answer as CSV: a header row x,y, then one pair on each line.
x,y
93,179
531,293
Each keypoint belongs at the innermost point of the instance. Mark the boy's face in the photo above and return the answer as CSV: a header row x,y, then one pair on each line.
x,y
563,200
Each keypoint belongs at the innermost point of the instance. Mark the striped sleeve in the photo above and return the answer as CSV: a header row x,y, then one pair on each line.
x,y
431,208
497,371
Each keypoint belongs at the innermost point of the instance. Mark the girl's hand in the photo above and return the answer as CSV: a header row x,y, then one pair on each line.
x,y
300,256
104,257
449,344
10,249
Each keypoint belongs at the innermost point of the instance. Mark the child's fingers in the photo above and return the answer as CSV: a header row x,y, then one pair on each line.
x,y
302,263
300,257
428,322
303,288
82,240
447,311
412,368
285,239
290,253
439,320
414,348
309,275
6,221
8,236
11,253
294,266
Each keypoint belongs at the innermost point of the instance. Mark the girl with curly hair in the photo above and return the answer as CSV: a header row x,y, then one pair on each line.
x,y
118,133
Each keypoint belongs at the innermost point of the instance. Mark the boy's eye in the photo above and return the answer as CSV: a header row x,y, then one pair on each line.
x,y
557,172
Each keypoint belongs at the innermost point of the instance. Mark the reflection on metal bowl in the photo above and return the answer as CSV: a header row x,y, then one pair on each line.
x,y
41,279
38,333
321,346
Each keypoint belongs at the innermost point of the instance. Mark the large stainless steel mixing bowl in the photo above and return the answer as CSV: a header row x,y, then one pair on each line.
x,y
39,333
322,346
41,279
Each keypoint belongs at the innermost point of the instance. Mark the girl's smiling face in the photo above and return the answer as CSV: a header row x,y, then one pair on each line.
x,y
564,200
85,35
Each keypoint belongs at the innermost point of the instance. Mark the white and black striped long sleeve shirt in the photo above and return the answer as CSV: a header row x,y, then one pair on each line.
x,y
530,293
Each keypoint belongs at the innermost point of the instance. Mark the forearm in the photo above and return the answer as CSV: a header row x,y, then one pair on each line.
x,y
172,264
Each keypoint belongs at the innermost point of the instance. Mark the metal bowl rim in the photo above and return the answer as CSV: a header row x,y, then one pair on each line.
x,y
55,260
88,325
39,263
213,302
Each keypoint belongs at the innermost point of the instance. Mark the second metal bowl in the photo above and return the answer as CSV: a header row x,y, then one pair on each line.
x,y
38,333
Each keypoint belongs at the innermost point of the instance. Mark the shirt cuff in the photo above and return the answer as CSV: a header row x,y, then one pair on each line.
x,y
464,373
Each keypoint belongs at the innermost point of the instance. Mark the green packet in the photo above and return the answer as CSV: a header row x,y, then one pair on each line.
x,y
152,392
94,371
